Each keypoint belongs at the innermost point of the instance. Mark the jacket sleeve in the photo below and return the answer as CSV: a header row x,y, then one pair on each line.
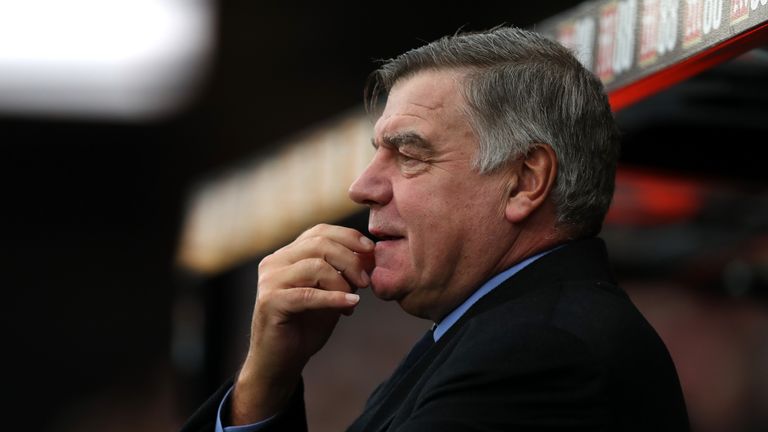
x,y
292,419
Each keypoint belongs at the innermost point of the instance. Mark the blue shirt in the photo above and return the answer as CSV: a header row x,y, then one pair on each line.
x,y
487,287
439,330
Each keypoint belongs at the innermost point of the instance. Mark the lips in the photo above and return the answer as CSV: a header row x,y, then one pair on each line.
x,y
388,237
383,235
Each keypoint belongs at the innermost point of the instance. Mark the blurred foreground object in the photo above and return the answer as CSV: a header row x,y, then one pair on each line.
x,y
113,59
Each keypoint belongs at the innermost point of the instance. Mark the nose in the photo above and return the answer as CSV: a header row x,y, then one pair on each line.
x,y
373,187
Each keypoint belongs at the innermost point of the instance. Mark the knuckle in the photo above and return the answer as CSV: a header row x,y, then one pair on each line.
x,y
314,231
306,295
265,297
316,264
264,263
318,243
265,278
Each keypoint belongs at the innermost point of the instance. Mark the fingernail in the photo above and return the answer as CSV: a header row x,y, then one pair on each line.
x,y
366,279
352,298
368,243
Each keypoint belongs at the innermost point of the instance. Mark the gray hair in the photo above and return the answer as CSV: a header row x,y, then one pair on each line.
x,y
523,90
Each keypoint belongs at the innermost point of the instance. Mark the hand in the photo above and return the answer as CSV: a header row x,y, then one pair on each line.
x,y
302,290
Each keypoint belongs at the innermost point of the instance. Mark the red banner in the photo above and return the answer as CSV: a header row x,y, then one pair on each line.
x,y
638,47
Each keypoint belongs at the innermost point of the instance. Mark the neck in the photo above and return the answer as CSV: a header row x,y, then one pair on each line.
x,y
535,235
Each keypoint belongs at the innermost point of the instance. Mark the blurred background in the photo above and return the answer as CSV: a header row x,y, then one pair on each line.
x,y
140,137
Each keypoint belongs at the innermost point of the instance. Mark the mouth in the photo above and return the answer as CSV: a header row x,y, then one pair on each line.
x,y
388,238
384,236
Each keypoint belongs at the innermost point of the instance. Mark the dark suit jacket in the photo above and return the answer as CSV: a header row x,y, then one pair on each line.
x,y
556,347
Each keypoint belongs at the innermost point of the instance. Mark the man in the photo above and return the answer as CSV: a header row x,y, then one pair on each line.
x,y
494,167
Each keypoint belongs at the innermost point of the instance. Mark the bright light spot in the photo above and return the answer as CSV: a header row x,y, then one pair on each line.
x,y
103,58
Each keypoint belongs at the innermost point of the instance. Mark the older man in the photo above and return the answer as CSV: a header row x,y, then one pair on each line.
x,y
494,168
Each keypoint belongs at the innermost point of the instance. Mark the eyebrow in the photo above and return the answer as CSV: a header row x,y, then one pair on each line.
x,y
410,139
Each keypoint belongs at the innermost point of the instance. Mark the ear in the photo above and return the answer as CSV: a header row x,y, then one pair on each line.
x,y
532,183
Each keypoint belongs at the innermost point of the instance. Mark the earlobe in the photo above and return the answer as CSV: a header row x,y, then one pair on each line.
x,y
531,184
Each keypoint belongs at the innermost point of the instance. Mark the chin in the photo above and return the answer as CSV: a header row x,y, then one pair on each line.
x,y
385,286
384,293
413,308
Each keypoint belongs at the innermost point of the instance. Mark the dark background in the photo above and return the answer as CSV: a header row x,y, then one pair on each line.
x,y
93,208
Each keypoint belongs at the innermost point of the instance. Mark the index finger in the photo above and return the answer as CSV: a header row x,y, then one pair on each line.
x,y
348,237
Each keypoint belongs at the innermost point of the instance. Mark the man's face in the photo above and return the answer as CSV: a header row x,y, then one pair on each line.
x,y
440,224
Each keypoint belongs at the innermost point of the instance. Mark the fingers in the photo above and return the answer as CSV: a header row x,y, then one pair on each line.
x,y
311,272
348,237
345,249
297,300
337,255
367,261
321,269
310,284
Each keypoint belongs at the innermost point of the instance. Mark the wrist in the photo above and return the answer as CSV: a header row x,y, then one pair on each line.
x,y
255,398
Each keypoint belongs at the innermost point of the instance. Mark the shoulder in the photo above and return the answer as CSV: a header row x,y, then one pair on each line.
x,y
582,319
516,371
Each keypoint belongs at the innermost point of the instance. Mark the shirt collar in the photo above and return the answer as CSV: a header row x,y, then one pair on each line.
x,y
446,323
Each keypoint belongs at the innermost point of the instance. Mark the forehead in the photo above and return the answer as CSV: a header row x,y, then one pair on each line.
x,y
425,102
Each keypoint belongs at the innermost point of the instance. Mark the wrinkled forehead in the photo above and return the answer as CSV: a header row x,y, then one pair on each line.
x,y
431,97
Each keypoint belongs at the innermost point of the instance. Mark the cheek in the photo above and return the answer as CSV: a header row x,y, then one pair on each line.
x,y
438,216
434,231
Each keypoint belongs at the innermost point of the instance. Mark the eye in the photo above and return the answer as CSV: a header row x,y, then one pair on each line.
x,y
406,159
